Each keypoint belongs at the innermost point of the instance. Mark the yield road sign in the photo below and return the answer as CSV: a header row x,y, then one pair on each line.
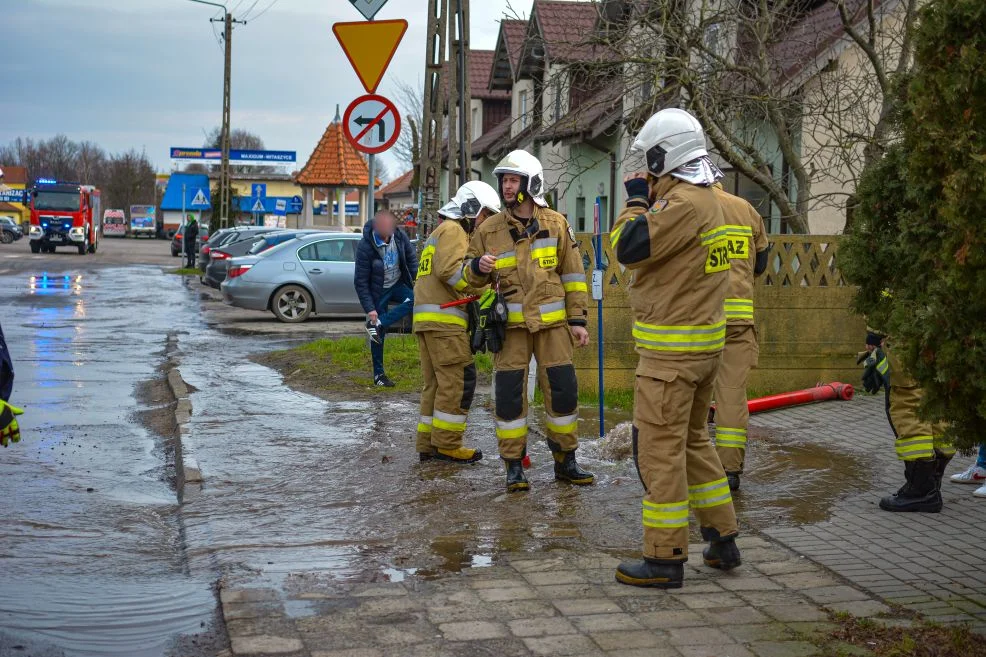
x,y
371,124
370,45
368,8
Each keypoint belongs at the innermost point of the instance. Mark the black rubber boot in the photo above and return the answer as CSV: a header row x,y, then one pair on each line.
x,y
921,491
734,480
567,469
941,462
460,455
516,481
722,552
657,573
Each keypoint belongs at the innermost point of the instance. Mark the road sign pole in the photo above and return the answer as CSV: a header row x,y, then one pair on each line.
x,y
371,187
597,276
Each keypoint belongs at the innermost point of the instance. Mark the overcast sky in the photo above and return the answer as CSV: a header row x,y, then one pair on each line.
x,y
148,73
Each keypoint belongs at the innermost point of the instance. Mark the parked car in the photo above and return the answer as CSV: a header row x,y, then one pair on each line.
x,y
221,236
312,273
176,249
231,246
10,230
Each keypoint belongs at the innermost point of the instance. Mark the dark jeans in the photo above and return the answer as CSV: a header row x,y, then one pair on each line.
x,y
403,296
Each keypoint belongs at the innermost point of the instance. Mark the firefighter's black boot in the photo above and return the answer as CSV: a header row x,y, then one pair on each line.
x,y
722,552
567,468
920,493
516,481
941,462
658,573
734,480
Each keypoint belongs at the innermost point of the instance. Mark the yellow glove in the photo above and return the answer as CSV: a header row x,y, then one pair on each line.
x,y
9,431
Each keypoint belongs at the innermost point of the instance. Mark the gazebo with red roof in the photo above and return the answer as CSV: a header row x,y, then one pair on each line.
x,y
337,167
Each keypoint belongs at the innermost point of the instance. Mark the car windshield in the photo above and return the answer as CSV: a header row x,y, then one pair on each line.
x,y
60,201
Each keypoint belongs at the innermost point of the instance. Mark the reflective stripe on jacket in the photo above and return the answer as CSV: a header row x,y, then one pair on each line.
x,y
440,280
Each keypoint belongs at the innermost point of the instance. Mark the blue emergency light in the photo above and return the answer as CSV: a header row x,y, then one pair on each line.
x,y
46,181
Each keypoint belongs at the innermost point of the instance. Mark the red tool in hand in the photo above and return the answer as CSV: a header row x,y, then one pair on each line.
x,y
460,302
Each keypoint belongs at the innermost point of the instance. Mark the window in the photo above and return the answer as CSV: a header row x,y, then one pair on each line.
x,y
523,109
580,213
474,126
603,214
328,251
557,94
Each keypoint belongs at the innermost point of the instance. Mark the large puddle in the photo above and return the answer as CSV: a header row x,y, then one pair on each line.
x,y
98,558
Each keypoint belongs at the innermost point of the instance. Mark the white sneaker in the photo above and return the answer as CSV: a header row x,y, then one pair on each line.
x,y
980,492
973,475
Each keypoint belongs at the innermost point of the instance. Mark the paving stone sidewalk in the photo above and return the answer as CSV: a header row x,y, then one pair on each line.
x,y
552,603
933,564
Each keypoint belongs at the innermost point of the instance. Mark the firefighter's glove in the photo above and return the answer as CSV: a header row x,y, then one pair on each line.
x,y
872,379
9,431
637,187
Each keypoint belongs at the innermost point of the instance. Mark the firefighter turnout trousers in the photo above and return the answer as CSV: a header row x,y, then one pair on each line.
x,y
917,439
552,347
449,375
675,458
739,356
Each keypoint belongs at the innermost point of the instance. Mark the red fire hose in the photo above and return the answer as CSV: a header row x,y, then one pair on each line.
x,y
821,392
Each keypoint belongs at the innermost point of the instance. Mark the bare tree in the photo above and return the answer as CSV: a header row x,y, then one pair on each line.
x,y
410,100
795,95
239,139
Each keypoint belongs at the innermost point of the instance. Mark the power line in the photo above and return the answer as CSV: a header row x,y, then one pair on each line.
x,y
246,14
265,9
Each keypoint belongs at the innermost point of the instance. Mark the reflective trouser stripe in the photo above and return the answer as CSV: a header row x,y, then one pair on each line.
x,y
574,283
739,308
508,259
515,313
511,429
432,312
915,448
553,312
449,422
705,337
714,493
424,424
457,281
665,516
730,437
564,424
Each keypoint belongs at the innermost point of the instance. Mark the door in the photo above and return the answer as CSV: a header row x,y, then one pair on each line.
x,y
330,264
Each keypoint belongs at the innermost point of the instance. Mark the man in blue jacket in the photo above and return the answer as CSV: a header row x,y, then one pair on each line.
x,y
386,265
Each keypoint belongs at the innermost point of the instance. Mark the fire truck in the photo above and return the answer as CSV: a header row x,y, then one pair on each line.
x,y
63,214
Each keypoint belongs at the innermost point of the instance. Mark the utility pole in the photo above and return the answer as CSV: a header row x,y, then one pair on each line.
x,y
225,188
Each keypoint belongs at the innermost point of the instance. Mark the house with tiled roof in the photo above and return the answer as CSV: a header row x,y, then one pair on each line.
x,y
397,194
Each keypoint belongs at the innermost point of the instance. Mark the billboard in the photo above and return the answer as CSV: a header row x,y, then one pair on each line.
x,y
236,156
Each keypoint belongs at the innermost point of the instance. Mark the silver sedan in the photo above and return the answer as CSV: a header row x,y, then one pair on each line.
x,y
310,274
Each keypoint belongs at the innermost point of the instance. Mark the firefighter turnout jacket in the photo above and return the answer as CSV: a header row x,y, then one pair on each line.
x,y
746,236
539,268
440,280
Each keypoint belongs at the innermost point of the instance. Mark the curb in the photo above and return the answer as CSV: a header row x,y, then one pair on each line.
x,y
186,467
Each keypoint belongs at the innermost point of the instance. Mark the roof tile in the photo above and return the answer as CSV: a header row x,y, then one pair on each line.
x,y
566,27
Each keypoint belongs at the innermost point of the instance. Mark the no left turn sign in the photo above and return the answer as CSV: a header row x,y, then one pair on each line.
x,y
371,124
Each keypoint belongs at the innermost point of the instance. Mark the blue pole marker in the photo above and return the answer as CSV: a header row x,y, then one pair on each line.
x,y
597,294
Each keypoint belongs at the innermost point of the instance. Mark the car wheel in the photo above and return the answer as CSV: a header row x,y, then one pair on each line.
x,y
291,304
83,249
6,237
35,248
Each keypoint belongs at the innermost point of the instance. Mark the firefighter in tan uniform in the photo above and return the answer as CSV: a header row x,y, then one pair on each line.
x,y
673,237
447,365
919,444
747,241
529,252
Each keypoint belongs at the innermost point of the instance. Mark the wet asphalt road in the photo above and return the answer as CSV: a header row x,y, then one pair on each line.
x,y
292,482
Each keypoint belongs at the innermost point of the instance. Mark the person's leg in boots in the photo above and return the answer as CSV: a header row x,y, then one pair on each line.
x,y
510,383
708,487
428,390
556,377
661,408
915,446
456,374
732,413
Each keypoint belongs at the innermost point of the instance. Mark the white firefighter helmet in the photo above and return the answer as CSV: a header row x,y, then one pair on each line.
x,y
450,210
529,169
669,139
475,195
